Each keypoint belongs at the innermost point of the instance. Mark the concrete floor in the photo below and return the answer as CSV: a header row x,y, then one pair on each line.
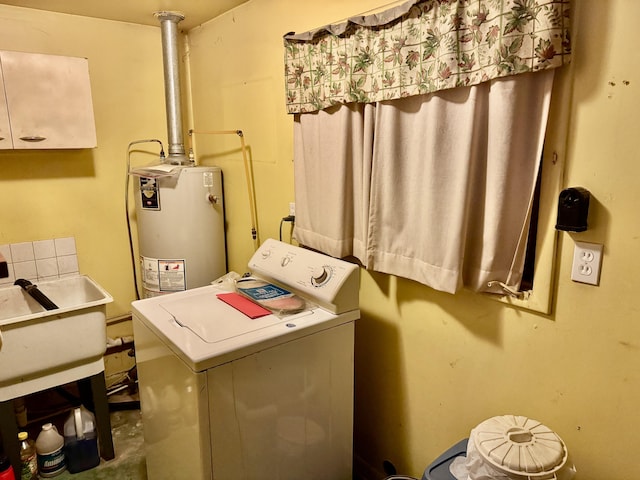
x,y
129,464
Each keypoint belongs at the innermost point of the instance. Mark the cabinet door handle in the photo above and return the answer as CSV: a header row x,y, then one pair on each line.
x,y
33,138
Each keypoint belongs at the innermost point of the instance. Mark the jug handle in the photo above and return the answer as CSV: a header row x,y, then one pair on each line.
x,y
77,416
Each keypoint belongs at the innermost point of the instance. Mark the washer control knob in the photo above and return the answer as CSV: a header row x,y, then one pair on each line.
x,y
320,275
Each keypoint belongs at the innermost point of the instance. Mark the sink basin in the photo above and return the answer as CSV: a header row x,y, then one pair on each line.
x,y
42,348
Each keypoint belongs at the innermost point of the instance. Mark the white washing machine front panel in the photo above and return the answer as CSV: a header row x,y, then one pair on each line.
x,y
227,397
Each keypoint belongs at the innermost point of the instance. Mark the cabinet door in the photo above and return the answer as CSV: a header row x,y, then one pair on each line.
x,y
49,100
5,130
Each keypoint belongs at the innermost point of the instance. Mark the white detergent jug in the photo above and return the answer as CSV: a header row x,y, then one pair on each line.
x,y
80,440
50,453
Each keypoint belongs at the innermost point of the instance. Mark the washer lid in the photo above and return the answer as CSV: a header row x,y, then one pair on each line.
x,y
519,445
214,321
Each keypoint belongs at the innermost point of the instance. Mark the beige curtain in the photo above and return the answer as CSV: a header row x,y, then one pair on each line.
x,y
418,135
436,188
332,172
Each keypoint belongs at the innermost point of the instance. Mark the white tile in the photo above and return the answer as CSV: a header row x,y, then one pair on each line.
x,y
22,252
67,264
65,246
5,250
44,249
47,267
26,270
68,275
46,279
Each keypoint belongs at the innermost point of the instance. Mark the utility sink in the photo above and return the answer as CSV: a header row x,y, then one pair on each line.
x,y
42,348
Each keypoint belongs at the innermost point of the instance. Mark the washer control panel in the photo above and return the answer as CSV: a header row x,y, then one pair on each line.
x,y
330,282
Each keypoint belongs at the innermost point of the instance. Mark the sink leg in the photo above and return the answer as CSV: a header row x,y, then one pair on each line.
x,y
103,418
99,404
9,433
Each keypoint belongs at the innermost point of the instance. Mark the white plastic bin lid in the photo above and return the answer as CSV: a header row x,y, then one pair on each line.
x,y
518,445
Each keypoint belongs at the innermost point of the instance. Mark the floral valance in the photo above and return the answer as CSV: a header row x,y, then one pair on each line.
x,y
423,46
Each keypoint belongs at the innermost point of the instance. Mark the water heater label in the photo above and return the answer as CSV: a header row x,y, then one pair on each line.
x,y
149,194
164,275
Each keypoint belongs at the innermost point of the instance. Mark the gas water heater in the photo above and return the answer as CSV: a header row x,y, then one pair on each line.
x,y
179,208
180,229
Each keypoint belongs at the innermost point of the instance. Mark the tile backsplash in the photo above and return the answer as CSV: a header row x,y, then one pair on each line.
x,y
40,260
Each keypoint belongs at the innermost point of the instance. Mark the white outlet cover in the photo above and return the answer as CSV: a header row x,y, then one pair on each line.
x,y
587,262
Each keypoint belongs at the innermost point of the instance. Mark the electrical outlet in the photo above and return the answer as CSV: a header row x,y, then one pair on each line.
x,y
292,209
587,260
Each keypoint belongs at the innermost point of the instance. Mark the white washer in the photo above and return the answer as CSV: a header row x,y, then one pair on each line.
x,y
227,397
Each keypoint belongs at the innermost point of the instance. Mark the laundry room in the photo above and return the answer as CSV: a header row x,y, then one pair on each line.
x,y
432,360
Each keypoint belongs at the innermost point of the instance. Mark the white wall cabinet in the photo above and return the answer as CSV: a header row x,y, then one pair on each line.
x,y
5,128
47,102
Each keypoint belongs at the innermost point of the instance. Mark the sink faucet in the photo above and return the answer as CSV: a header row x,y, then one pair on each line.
x,y
4,268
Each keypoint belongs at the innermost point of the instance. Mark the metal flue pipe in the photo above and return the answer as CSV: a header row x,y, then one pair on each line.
x,y
170,57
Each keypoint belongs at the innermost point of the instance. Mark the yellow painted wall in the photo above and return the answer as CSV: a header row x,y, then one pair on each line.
x,y
53,194
429,366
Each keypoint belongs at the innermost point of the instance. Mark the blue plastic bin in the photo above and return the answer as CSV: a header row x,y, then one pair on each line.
x,y
439,468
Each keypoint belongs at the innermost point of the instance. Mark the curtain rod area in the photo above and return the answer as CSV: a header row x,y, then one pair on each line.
x,y
373,10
